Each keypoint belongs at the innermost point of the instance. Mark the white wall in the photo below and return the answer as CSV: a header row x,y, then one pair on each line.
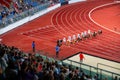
x,y
74,1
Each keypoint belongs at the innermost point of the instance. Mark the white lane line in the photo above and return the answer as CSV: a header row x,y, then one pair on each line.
x,y
57,24
98,23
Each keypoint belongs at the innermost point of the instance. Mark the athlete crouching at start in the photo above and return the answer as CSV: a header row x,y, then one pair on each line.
x,y
64,41
99,32
73,39
78,38
69,40
59,42
94,34
89,34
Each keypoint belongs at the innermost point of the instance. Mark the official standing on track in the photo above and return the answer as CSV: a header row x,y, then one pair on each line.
x,y
57,48
33,46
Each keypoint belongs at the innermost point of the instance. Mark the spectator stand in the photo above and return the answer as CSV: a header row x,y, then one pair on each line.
x,y
16,62
18,11
13,61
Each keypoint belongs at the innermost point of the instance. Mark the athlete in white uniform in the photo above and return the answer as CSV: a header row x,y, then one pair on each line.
x,y
73,39
89,32
64,40
78,37
69,40
82,34
85,34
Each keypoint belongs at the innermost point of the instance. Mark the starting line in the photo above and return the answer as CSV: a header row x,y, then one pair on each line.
x,y
36,30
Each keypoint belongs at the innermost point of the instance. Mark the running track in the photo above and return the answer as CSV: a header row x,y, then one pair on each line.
x,y
65,21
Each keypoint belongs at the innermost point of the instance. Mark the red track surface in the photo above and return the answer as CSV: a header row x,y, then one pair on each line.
x,y
109,18
67,20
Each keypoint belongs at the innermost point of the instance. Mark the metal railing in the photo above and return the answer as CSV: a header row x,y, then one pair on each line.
x,y
99,64
91,70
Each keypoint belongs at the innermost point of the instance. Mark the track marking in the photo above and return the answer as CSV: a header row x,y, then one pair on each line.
x,y
36,30
98,23
35,33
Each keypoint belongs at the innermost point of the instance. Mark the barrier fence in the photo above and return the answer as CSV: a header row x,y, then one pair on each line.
x,y
92,71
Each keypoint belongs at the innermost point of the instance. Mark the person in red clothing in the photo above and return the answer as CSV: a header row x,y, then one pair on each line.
x,y
40,67
81,57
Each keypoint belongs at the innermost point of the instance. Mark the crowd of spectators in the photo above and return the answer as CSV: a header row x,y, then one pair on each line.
x,y
17,7
16,65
